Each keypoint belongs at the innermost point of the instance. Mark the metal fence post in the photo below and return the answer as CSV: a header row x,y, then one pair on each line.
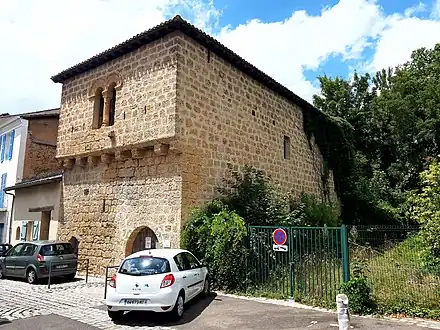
x,y
345,254
87,271
105,284
50,274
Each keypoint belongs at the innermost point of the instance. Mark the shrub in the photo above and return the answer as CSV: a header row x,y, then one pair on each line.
x,y
358,291
425,209
252,196
216,236
308,210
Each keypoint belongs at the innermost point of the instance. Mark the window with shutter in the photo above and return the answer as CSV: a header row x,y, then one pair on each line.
x,y
3,146
23,230
36,231
2,192
11,144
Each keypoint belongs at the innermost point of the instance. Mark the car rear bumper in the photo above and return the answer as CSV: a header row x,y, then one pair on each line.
x,y
161,302
44,273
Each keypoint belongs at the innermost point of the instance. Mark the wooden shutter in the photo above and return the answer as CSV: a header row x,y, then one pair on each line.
x,y
3,146
2,192
23,230
36,231
11,145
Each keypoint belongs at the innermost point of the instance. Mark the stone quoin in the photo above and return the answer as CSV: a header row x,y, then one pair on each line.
x,y
149,128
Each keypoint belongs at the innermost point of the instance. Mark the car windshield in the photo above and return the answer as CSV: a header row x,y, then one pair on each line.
x,y
56,249
141,266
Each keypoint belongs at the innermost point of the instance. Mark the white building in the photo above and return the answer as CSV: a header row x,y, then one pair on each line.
x,y
13,134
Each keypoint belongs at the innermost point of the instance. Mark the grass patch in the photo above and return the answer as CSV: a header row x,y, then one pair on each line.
x,y
398,279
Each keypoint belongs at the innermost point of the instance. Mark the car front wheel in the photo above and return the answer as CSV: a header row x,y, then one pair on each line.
x,y
206,287
31,276
1,273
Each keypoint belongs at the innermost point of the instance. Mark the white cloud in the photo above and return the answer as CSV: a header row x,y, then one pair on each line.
x,y
303,42
41,38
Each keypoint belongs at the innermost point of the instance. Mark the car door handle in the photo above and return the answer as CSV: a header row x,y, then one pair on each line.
x,y
184,276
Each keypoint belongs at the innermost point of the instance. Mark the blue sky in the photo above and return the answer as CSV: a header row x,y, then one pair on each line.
x,y
294,41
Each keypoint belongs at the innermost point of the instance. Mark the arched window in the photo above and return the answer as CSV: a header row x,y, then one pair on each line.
x,y
112,104
17,233
98,110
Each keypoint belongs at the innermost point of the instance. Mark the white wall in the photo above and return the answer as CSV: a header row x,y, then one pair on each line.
x,y
12,167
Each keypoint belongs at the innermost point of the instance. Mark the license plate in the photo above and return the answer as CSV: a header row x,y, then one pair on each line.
x,y
136,301
61,266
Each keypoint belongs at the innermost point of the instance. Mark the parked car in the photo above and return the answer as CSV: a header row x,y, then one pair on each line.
x,y
4,248
157,280
31,260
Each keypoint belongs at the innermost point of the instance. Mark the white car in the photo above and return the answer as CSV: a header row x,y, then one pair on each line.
x,y
158,280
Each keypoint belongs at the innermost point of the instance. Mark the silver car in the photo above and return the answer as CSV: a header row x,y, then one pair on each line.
x,y
32,260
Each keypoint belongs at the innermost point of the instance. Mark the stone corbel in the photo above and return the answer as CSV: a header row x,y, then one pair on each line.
x,y
69,163
107,158
122,155
82,161
138,153
94,160
161,149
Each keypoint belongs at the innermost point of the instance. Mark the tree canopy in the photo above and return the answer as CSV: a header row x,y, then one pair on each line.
x,y
395,116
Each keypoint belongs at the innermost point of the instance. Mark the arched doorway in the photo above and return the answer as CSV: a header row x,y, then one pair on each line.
x,y
141,239
75,245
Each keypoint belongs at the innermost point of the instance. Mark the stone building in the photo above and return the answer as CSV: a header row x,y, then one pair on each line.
x,y
36,195
150,127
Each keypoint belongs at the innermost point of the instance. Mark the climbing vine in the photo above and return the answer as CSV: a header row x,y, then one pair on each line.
x,y
334,138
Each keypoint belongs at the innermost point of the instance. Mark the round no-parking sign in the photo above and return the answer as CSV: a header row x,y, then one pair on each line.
x,y
279,236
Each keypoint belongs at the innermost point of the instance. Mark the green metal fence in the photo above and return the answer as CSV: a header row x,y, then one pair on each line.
x,y
312,268
392,261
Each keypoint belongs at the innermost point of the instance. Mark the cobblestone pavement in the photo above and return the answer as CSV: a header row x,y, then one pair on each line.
x,y
25,304
75,300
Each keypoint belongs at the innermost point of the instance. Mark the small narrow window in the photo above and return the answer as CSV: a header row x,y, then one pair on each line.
x,y
98,110
17,233
286,147
112,108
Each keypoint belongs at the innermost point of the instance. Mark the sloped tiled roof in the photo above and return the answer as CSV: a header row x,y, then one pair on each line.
x,y
179,24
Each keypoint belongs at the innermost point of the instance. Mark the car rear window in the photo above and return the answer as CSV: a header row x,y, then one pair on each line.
x,y
57,249
141,266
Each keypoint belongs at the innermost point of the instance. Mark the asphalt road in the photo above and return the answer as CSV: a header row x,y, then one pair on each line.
x,y
46,322
220,312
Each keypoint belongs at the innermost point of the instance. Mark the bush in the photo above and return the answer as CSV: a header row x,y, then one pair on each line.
x,y
308,211
216,236
425,209
252,196
358,291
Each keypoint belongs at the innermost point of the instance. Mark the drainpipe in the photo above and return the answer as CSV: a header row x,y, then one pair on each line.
x,y
11,216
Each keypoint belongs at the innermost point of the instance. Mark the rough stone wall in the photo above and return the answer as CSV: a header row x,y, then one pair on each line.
x,y
145,101
126,182
227,120
104,205
41,147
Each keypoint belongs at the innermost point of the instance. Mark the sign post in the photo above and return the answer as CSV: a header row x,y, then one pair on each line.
x,y
280,238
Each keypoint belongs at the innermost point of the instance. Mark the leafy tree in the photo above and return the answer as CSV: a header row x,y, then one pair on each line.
x,y
425,208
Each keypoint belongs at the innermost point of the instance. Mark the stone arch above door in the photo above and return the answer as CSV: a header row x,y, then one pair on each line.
x,y
140,239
